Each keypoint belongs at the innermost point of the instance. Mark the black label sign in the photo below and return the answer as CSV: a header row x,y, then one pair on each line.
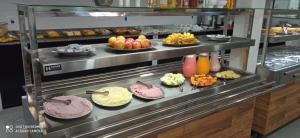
x,y
53,68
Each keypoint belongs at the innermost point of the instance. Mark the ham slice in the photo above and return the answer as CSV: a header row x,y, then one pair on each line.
x,y
78,107
142,90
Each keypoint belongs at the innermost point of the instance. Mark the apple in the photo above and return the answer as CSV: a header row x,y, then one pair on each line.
x,y
111,40
121,38
129,40
120,44
136,45
142,37
146,43
128,44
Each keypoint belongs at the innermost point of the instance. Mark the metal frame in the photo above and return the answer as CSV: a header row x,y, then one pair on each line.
x,y
270,14
34,86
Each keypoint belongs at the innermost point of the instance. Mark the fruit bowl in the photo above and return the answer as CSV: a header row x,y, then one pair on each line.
x,y
121,44
109,47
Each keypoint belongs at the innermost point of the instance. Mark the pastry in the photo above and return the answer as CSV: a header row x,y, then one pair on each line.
x,y
120,31
68,33
40,36
292,30
133,31
88,32
77,33
5,39
53,34
103,31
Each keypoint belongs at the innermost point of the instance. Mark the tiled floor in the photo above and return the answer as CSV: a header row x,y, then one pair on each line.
x,y
14,117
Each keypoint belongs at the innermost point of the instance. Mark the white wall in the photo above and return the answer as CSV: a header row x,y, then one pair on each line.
x,y
8,11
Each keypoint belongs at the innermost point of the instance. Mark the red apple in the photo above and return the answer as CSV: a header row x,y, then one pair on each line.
x,y
142,37
129,40
136,45
128,45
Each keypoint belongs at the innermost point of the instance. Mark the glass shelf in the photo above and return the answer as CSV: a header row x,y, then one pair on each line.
x,y
97,11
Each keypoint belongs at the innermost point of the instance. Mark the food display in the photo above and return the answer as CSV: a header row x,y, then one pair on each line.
x,y
171,79
120,42
124,31
103,31
145,92
53,34
75,50
78,107
203,80
228,74
180,39
5,39
71,33
88,32
117,96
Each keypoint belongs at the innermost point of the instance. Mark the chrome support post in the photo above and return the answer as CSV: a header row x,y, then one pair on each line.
x,y
266,37
37,81
225,32
22,12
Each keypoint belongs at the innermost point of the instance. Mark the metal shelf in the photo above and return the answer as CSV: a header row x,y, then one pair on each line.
x,y
94,11
51,64
282,11
281,38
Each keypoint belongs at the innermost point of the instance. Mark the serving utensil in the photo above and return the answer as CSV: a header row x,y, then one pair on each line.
x,y
66,102
105,93
149,86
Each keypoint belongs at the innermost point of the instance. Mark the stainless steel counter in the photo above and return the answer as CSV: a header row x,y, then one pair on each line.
x,y
106,58
282,63
141,117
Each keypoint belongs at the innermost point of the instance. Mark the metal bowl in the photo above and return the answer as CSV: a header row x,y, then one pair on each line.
x,y
103,2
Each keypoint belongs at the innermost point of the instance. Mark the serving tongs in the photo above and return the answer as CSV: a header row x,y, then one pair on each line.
x,y
66,102
105,93
285,28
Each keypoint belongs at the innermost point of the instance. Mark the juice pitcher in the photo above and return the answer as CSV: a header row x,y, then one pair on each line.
x,y
189,65
203,64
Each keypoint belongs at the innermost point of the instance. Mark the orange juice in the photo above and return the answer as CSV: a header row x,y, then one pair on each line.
x,y
203,64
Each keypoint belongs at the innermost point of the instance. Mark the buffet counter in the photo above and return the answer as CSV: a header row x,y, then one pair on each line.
x,y
281,105
142,118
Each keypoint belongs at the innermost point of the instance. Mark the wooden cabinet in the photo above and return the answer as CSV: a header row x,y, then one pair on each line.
x,y
233,122
277,108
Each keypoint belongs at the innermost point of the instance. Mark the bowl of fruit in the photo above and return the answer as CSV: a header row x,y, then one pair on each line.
x,y
122,44
180,40
203,80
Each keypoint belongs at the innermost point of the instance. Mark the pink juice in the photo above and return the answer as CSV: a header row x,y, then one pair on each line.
x,y
189,65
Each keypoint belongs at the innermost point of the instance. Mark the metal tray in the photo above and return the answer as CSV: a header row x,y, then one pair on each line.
x,y
108,47
182,45
218,39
